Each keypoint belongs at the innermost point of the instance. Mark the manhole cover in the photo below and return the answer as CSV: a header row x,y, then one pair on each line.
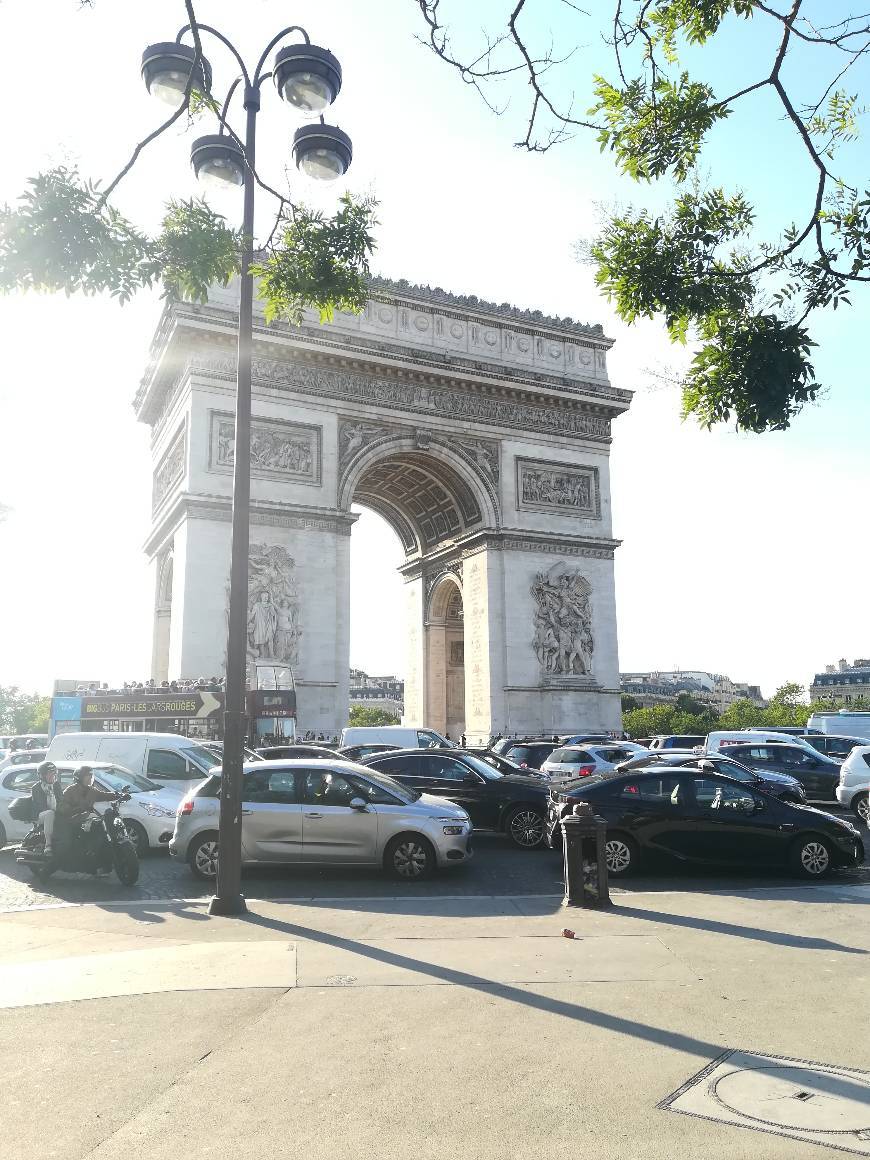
x,y
796,1097
787,1097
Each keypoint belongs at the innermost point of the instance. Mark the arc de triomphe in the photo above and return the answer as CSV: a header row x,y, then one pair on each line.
x,y
481,433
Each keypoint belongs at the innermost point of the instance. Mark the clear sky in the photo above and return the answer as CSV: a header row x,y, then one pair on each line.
x,y
742,554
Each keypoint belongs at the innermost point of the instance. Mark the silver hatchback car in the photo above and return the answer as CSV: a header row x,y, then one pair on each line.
x,y
325,812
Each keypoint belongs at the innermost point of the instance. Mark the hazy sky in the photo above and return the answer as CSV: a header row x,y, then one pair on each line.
x,y
742,554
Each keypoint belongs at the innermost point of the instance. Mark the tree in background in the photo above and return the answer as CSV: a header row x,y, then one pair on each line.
x,y
23,712
743,294
365,716
666,719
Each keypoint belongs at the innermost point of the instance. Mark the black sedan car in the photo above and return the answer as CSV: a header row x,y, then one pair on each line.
x,y
696,816
818,774
781,785
514,804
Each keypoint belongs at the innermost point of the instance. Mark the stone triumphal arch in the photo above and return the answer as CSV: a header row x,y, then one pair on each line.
x,y
481,433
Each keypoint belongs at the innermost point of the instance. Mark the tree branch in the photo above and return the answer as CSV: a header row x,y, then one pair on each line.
x,y
179,112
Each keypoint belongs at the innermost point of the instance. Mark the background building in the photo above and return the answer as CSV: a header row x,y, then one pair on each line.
x,y
387,693
842,682
661,688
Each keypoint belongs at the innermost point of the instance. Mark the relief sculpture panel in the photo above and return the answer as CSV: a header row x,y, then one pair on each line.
x,y
563,640
554,486
279,450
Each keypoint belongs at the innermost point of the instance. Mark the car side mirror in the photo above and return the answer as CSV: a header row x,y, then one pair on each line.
x,y
358,804
749,805
471,778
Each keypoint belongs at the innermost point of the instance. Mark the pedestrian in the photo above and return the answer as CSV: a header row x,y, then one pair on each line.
x,y
462,741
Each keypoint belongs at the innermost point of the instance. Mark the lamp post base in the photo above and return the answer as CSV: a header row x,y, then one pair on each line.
x,y
227,907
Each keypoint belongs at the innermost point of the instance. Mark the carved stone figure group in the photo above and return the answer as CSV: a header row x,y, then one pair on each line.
x,y
271,448
273,605
563,622
562,489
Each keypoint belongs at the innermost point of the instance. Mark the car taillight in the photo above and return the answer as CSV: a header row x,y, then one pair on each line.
x,y
186,807
524,765
585,770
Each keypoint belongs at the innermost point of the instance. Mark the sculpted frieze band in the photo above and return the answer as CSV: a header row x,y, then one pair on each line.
x,y
169,471
445,402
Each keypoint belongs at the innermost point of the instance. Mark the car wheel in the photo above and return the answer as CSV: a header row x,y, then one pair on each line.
x,y
41,873
410,857
139,835
622,855
202,857
526,827
861,806
811,857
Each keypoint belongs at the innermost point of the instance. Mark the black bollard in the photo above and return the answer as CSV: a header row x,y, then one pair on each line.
x,y
585,860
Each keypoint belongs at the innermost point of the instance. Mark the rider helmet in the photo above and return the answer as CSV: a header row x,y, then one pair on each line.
x,y
47,771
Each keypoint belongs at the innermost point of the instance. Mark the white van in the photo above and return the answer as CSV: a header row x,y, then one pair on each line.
x,y
162,757
720,739
398,735
844,721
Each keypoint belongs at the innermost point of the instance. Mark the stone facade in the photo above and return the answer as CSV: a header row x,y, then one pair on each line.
x,y
479,432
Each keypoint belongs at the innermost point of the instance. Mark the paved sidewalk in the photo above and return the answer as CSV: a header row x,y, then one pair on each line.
x,y
433,1027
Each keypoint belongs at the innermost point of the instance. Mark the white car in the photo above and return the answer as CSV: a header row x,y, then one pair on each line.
x,y
149,815
581,760
21,757
854,787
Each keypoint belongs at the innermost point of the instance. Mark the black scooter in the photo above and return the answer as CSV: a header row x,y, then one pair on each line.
x,y
97,845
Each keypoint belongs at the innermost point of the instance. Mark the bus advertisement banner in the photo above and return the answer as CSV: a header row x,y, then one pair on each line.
x,y
201,706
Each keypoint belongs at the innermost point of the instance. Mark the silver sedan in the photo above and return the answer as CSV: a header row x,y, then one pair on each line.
x,y
325,812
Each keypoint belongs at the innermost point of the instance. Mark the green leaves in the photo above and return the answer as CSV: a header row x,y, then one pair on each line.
x,y
656,127
754,367
60,237
672,264
320,262
57,240
196,249
695,20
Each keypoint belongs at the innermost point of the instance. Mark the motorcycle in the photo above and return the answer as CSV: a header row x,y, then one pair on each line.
x,y
97,845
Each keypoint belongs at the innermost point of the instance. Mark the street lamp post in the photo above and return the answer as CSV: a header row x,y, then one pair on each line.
x,y
308,78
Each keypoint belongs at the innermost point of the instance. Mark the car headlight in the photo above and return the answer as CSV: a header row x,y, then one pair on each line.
x,y
454,831
156,811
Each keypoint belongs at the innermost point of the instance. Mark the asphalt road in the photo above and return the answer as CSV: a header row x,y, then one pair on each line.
x,y
497,869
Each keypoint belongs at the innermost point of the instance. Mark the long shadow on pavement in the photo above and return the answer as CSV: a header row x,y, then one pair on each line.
x,y
775,937
646,1032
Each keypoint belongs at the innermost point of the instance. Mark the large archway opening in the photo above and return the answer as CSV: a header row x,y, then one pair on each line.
x,y
432,500
445,658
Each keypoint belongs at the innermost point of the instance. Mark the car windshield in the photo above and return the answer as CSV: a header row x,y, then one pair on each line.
x,y
116,779
385,782
481,767
204,757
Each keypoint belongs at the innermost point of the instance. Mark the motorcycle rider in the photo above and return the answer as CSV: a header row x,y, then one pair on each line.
x,y
80,798
46,797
